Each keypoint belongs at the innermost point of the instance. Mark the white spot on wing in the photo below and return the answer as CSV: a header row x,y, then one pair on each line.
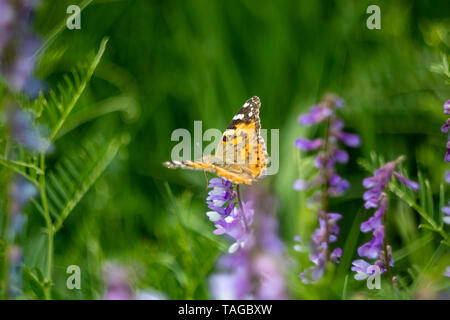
x,y
250,114
238,117
246,105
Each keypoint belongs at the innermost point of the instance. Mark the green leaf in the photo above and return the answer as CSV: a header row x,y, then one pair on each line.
x,y
54,110
74,175
30,279
27,170
441,205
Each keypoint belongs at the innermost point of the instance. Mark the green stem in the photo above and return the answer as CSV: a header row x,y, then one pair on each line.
x,y
49,229
6,244
7,240
402,195
385,247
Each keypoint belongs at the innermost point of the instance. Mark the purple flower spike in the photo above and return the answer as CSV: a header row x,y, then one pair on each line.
x,y
308,145
253,267
227,218
376,197
325,161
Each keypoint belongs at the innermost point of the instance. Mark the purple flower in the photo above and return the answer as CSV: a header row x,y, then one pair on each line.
x,y
20,192
447,270
314,273
300,184
308,145
376,220
447,153
336,255
233,283
150,295
24,132
340,156
222,193
447,177
316,115
377,185
338,185
446,211
18,45
376,197
272,285
16,261
325,162
447,107
349,139
363,269
319,248
255,270
410,184
118,286
372,248
446,126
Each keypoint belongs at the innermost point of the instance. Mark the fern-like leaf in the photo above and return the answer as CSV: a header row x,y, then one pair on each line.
x,y
74,175
54,109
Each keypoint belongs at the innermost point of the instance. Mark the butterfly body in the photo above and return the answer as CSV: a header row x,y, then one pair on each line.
x,y
241,155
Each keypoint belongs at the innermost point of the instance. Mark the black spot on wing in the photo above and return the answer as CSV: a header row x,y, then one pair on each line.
x,y
248,112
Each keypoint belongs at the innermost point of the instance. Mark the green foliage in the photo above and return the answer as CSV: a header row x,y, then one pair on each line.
x,y
74,175
54,111
168,63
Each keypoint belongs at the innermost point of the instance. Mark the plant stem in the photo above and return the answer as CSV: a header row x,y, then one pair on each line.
x,y
49,229
6,243
385,249
324,198
402,195
244,218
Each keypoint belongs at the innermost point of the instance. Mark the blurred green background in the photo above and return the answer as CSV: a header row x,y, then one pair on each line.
x,y
168,63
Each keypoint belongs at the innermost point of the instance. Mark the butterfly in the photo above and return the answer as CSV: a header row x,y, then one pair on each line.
x,y
240,155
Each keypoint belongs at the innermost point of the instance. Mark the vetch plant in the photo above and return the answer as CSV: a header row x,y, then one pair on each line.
x,y
228,219
377,197
59,189
328,182
253,267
